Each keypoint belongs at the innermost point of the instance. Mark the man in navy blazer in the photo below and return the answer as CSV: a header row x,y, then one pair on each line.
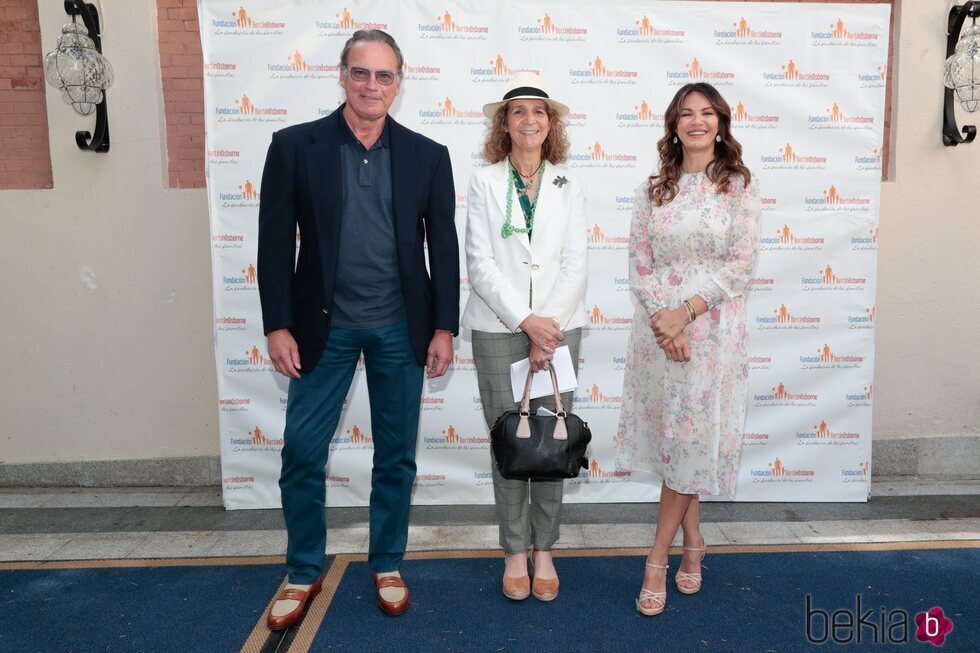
x,y
367,195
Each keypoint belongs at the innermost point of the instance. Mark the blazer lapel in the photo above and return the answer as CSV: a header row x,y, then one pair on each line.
x,y
549,203
323,176
403,168
498,188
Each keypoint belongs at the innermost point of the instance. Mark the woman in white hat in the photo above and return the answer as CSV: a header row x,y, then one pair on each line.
x,y
526,250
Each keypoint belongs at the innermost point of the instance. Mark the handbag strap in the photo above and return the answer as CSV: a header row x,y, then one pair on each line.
x,y
524,426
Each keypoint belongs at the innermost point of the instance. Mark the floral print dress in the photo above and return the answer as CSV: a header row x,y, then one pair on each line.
x,y
683,422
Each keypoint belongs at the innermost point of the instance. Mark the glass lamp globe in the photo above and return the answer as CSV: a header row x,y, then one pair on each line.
x,y
962,70
78,69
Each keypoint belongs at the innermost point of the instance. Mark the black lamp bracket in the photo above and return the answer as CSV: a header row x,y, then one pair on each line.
x,y
99,142
957,16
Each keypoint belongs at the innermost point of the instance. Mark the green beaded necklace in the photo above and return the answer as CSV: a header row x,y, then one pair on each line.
x,y
516,184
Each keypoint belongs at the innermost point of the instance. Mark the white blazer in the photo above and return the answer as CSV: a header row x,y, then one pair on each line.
x,y
502,270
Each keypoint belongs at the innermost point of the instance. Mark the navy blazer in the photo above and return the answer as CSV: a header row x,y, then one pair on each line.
x,y
301,186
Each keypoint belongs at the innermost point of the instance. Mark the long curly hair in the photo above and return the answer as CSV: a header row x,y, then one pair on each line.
x,y
497,145
664,185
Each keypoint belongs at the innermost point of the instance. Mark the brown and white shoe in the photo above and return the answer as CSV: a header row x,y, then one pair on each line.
x,y
305,597
393,608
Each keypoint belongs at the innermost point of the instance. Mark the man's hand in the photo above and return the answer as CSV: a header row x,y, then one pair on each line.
x,y
667,324
284,352
543,332
678,349
440,354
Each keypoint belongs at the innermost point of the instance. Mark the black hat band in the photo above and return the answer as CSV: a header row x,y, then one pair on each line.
x,y
525,90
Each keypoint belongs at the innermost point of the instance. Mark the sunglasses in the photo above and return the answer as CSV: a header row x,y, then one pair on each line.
x,y
360,75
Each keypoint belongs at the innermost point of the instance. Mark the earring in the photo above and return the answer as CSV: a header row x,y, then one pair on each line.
x,y
675,139
718,138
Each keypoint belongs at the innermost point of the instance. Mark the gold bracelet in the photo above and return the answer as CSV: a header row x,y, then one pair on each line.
x,y
691,313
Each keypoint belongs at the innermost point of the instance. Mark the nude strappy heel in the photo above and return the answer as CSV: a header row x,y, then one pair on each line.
x,y
659,599
693,577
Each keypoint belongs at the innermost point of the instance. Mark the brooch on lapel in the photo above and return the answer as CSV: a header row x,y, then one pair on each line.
x,y
560,181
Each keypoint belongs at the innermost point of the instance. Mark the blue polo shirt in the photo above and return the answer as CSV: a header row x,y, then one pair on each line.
x,y
368,292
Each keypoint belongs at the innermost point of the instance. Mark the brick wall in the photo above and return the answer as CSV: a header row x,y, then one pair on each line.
x,y
25,160
181,67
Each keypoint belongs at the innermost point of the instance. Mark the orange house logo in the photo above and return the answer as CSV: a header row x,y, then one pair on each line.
x,y
822,433
829,279
860,398
741,32
645,27
598,239
825,357
782,316
245,105
780,394
255,357
596,71
831,197
498,66
838,34
256,438
643,30
248,191
789,74
598,318
345,20
641,116
448,113
595,473
695,71
789,158
874,79
242,19
870,161
448,26
245,110
597,156
835,117
865,242
250,273
742,118
596,152
778,471
857,474
545,28
594,397
452,438
863,320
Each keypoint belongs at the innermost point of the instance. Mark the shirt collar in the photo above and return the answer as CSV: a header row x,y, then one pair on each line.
x,y
347,134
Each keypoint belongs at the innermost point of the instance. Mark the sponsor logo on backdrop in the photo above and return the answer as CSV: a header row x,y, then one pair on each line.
x,y
433,403
497,70
832,200
574,119
864,320
830,280
593,397
870,161
755,439
621,284
859,399
646,31
777,472
865,243
599,239
596,156
837,34
230,323
450,438
546,29
238,482
825,359
323,112
221,157
334,480
762,284
742,119
295,66
696,72
600,321
790,240
769,204
788,158
352,439
451,27
597,72
252,361
234,404
343,23
640,116
421,73
256,440
244,23
465,363
447,112
247,280
227,241
429,480
789,75
857,474
780,395
744,33
782,319
246,196
595,475
619,363
760,362
482,478
823,435
835,118
874,79
243,109
215,69
624,202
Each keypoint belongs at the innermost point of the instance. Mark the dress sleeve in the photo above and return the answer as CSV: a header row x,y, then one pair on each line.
x,y
730,281
643,265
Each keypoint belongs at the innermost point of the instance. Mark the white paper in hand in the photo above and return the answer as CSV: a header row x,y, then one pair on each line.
x,y
541,381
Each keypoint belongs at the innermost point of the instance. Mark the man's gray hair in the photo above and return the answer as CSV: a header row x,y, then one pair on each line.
x,y
375,35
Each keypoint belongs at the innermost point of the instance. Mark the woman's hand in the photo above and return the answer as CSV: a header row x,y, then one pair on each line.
x,y
668,324
539,358
678,349
543,332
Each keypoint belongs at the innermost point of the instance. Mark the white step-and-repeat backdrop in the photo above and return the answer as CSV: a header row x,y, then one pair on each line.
x,y
806,83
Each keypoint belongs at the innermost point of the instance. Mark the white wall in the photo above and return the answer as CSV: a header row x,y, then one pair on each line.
x,y
126,369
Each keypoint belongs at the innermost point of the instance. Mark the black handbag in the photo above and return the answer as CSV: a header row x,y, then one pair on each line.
x,y
540,447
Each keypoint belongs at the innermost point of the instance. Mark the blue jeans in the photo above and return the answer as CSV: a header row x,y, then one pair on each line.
x,y
394,379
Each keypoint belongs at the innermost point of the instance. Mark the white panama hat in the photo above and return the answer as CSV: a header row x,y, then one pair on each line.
x,y
525,85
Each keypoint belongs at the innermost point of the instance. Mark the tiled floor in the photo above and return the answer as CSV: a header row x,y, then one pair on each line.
x,y
129,523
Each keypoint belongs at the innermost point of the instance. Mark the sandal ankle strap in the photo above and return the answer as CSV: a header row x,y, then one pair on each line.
x,y
650,564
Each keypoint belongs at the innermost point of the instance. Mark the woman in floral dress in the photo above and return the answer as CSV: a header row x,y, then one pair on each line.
x,y
693,246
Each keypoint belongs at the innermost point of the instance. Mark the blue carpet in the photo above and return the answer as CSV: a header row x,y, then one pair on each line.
x,y
750,602
158,609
